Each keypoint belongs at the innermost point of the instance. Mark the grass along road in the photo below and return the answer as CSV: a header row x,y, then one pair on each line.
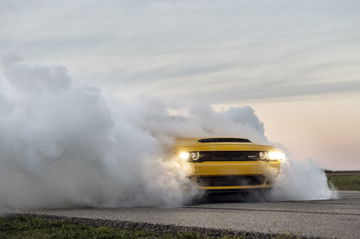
x,y
345,181
29,227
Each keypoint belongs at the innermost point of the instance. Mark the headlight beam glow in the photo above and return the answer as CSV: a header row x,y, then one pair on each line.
x,y
276,155
184,156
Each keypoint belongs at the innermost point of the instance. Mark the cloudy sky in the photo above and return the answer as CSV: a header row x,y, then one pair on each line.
x,y
297,63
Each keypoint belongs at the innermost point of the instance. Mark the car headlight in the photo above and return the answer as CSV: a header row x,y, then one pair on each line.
x,y
184,156
272,156
263,155
276,155
189,156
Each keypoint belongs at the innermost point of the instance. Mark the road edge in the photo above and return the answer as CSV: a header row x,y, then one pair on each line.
x,y
159,228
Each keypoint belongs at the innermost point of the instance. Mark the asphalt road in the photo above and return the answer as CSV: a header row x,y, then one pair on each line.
x,y
338,218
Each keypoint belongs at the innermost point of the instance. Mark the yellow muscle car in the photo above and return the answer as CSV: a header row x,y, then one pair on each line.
x,y
226,164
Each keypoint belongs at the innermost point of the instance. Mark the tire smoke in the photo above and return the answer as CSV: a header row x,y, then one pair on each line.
x,y
301,180
66,145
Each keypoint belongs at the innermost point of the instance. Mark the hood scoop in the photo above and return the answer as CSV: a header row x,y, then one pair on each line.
x,y
224,140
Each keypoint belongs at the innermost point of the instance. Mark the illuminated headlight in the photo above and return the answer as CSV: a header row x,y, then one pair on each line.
x,y
186,156
276,155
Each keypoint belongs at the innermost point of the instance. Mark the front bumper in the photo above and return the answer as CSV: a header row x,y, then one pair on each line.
x,y
230,176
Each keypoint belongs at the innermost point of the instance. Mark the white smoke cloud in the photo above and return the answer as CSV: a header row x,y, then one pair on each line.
x,y
64,145
60,145
301,180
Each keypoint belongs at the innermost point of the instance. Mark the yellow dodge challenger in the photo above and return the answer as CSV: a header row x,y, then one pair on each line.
x,y
225,164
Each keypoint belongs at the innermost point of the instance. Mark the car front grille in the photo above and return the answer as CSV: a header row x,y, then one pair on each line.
x,y
229,156
218,181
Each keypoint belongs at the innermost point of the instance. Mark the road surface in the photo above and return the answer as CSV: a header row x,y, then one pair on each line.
x,y
338,218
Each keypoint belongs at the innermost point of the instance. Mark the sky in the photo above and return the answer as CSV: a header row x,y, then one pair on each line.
x,y
297,63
